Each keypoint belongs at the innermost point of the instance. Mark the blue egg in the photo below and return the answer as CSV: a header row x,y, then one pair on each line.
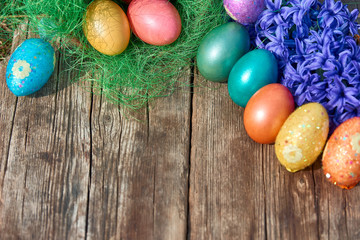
x,y
220,49
251,72
30,66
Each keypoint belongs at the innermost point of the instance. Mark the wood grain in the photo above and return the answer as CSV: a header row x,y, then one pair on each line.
x,y
139,176
291,207
8,103
44,191
226,180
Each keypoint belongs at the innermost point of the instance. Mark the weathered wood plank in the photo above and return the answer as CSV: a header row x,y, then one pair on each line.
x,y
291,207
226,176
44,192
332,205
139,175
8,103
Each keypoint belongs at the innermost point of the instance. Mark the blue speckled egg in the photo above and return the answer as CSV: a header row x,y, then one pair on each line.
x,y
30,66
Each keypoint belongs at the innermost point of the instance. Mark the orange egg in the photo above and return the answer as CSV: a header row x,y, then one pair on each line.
x,y
341,157
266,112
106,27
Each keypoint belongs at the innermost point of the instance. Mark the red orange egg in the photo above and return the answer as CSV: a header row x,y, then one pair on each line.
x,y
266,112
341,157
156,22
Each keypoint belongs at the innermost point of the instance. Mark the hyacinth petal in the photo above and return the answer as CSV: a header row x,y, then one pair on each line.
x,y
269,4
306,4
354,14
329,3
356,67
277,4
287,12
337,7
318,58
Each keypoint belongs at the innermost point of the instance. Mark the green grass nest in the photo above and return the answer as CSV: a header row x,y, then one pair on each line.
x,y
142,72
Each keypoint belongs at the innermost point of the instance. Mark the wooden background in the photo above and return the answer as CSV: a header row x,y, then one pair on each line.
x,y
72,167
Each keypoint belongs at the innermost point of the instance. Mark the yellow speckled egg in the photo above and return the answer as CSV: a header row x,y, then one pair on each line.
x,y
106,27
302,137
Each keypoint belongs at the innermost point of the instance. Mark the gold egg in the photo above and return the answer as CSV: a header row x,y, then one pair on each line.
x,y
106,27
302,137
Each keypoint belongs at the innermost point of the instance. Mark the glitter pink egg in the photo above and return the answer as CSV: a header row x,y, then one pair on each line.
x,y
244,11
341,157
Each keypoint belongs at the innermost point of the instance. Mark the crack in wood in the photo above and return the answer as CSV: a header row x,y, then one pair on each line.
x,y
117,170
264,148
147,122
9,143
316,202
59,57
23,199
345,214
26,131
192,76
90,163
328,218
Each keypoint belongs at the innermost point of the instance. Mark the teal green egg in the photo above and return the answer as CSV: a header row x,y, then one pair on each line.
x,y
220,49
251,72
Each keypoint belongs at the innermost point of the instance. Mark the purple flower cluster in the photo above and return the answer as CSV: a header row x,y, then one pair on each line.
x,y
316,51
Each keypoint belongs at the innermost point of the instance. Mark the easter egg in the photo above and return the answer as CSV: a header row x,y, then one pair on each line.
x,y
30,66
266,112
302,137
341,157
244,11
220,49
106,27
251,72
155,22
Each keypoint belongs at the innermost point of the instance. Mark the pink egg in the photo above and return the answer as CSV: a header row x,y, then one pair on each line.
x,y
156,22
244,11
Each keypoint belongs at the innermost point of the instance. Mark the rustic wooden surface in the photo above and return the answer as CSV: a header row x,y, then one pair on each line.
x,y
72,167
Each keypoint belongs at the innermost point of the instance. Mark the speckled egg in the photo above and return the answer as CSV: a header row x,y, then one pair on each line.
x,y
341,158
30,66
302,137
244,11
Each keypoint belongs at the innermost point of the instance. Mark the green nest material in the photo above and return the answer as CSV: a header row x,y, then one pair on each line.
x,y
142,72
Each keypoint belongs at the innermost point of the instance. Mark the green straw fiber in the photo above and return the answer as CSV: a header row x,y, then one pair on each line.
x,y
142,72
